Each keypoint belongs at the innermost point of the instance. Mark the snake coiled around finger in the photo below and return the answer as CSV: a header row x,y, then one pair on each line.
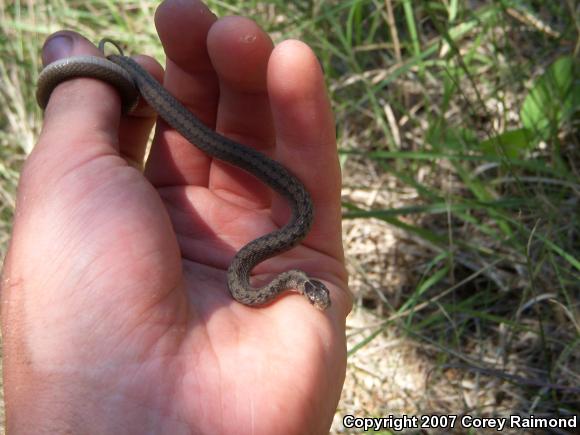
x,y
131,80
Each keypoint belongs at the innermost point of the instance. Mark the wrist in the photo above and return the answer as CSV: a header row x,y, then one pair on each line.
x,y
40,405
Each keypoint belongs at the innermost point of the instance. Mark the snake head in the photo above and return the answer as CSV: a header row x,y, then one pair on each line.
x,y
317,294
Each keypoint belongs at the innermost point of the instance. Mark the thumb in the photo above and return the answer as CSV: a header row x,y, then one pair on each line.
x,y
82,117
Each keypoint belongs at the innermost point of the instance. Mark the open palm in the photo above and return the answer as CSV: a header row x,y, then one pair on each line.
x,y
114,287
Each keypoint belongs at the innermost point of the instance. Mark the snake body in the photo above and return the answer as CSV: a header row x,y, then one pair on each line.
x,y
130,79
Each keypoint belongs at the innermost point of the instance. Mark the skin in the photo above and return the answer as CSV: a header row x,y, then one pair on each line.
x,y
115,313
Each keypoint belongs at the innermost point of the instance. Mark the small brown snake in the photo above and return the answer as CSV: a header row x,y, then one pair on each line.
x,y
131,80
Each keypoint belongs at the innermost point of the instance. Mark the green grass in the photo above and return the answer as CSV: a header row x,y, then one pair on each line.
x,y
462,114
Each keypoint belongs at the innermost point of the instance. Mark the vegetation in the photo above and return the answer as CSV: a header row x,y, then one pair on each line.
x,y
457,123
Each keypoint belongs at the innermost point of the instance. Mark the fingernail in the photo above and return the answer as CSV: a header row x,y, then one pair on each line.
x,y
56,47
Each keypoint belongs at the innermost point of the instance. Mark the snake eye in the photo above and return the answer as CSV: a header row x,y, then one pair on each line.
x,y
317,294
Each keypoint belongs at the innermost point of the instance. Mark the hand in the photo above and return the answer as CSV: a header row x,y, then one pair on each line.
x,y
116,317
